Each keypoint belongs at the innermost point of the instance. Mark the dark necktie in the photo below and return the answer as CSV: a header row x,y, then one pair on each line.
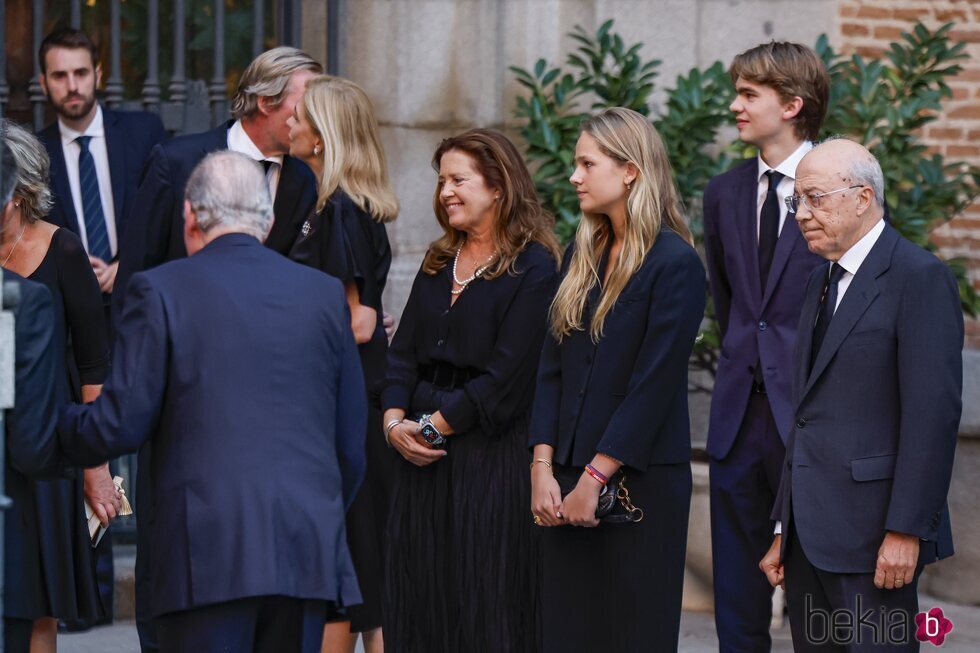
x,y
266,164
826,312
769,226
92,215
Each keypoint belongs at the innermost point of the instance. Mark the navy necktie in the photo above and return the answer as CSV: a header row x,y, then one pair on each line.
x,y
769,226
826,313
94,218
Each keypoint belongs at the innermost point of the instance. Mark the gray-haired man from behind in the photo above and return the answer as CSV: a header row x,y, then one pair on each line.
x,y
241,369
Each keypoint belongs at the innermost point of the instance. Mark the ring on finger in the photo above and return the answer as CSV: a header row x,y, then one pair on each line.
x,y
537,520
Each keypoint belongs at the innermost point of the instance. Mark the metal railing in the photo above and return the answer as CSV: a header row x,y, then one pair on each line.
x,y
186,105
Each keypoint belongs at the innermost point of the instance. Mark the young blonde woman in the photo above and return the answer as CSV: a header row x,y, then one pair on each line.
x,y
611,398
335,132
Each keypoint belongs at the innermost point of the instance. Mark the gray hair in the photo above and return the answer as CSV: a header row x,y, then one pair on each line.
x,y
228,190
29,179
8,175
268,76
864,170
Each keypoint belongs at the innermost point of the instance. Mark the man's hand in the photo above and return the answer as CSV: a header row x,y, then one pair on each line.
x,y
897,559
104,272
771,565
102,494
389,324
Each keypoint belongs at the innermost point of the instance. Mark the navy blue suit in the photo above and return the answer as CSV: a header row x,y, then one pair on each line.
x,y
130,136
31,451
874,423
251,391
748,429
156,235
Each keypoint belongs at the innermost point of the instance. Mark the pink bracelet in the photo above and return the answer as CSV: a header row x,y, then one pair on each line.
x,y
596,474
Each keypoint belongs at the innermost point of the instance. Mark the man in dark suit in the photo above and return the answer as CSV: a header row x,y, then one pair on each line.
x,y
88,143
251,391
31,443
267,94
758,264
876,406
96,157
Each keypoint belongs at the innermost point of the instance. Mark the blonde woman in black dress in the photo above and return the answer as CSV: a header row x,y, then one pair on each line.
x,y
335,132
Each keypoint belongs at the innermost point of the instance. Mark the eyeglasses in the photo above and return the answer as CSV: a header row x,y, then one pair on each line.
x,y
812,200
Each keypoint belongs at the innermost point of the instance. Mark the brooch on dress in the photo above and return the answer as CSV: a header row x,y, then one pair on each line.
x,y
307,228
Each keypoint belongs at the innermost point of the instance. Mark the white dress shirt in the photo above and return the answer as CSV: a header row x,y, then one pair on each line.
x,y
785,187
239,141
851,261
100,155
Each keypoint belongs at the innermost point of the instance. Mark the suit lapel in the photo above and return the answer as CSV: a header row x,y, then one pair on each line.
x,y
59,179
746,215
787,240
116,151
295,183
860,295
808,317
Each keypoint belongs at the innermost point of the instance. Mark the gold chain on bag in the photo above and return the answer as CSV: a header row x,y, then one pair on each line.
x,y
624,498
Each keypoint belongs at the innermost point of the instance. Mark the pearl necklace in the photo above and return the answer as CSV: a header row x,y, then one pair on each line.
x,y
462,283
16,243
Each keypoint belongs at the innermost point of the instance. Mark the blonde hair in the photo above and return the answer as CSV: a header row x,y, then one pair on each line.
x,y
520,218
653,202
31,160
353,159
268,76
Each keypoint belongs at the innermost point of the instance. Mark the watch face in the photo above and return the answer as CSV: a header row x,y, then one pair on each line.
x,y
431,435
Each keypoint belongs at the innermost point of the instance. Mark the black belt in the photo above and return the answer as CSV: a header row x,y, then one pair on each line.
x,y
447,377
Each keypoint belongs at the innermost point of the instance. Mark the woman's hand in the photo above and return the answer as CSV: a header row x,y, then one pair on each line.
x,y
579,506
545,496
406,439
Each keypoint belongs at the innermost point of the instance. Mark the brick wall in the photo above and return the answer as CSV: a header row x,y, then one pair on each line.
x,y
867,27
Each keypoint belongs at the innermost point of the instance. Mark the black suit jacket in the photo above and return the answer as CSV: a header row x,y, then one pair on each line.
x,y
626,396
156,235
32,449
240,366
130,136
875,420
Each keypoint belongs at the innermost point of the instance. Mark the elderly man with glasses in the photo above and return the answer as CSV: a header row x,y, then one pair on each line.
x,y
876,399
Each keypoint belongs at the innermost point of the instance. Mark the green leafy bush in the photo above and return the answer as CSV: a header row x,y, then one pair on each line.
x,y
882,103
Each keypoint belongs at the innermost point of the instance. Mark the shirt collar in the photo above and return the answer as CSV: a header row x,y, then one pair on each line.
x,y
853,258
239,141
95,128
788,166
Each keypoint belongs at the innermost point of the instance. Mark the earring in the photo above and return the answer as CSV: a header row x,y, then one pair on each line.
x,y
316,150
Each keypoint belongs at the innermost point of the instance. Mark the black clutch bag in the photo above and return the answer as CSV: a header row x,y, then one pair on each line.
x,y
614,506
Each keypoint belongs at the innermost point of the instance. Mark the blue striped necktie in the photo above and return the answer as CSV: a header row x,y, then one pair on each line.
x,y
88,181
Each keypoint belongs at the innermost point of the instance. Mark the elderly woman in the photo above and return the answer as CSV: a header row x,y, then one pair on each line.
x,y
462,559
610,410
333,130
55,257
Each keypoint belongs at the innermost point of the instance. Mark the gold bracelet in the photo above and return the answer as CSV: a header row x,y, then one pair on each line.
x,y
541,460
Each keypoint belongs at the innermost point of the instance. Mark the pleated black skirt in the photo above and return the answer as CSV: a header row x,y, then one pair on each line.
x,y
463,556
618,587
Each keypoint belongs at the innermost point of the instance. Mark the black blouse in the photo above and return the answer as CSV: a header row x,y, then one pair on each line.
x,y
79,311
344,241
496,326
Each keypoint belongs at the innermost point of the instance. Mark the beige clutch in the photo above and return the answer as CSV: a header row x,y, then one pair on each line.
x,y
95,528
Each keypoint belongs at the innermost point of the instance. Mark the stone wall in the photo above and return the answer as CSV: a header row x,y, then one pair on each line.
x,y
867,28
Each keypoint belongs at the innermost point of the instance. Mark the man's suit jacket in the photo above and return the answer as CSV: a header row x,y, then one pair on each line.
x,y
875,420
757,324
250,388
130,136
156,235
32,446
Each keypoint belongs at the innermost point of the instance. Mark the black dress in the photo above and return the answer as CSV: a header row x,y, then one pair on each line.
x,y
67,558
463,553
346,242
618,587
